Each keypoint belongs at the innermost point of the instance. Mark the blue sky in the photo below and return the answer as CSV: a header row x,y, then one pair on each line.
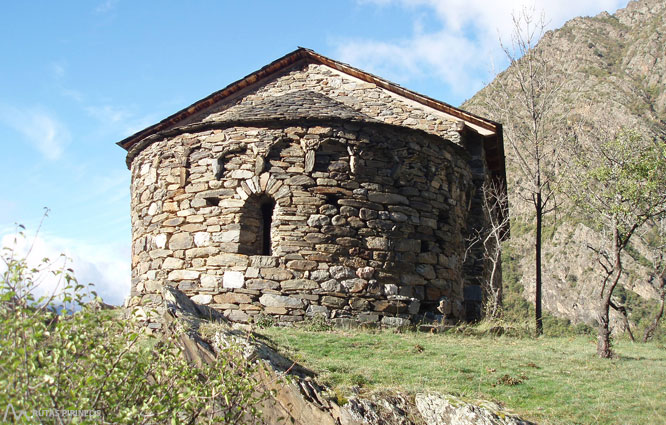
x,y
78,76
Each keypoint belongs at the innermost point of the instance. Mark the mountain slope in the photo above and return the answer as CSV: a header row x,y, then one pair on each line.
x,y
612,72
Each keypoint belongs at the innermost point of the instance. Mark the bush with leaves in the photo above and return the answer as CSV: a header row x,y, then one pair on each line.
x,y
83,364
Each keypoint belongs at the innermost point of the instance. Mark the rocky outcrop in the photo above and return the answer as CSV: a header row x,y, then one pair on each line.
x,y
300,400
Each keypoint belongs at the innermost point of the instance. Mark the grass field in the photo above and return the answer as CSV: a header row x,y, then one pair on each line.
x,y
551,380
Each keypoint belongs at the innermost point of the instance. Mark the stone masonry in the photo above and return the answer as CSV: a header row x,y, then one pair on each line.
x,y
309,192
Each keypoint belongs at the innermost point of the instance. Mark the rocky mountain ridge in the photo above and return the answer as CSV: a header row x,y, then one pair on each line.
x,y
611,69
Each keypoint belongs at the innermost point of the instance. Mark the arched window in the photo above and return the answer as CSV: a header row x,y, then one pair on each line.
x,y
267,209
256,225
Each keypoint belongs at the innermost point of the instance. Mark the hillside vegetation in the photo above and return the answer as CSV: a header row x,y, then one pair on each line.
x,y
611,72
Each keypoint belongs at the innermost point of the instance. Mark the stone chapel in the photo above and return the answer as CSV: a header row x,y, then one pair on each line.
x,y
310,187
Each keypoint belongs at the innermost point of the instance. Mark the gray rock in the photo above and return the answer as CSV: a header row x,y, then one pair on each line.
x,y
317,310
183,275
395,322
438,409
341,272
271,300
202,299
180,241
233,279
298,284
318,220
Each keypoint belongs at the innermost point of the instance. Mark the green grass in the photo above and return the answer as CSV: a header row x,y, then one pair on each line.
x,y
556,380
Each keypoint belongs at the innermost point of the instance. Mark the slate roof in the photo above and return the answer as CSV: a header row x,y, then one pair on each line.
x,y
312,57
293,105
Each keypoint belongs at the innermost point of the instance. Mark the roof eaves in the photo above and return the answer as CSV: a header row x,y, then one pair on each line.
x,y
211,99
287,60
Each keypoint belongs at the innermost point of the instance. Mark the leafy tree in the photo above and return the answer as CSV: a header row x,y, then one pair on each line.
x,y
619,184
84,364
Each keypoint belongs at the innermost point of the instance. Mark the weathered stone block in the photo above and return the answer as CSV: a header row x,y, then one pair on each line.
x,y
390,306
272,300
227,236
159,241
335,302
302,265
172,263
318,220
319,275
365,272
237,316
232,298
395,322
331,285
275,310
298,284
228,260
232,279
180,241
202,239
354,285
274,273
183,275
202,299
300,181
359,304
210,281
200,252
261,261
426,270
341,272
387,198
408,245
374,242
262,284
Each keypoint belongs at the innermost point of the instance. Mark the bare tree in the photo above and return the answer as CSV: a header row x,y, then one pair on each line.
x,y
525,105
490,239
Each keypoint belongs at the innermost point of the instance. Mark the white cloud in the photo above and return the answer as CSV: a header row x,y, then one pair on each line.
x,y
108,113
59,69
38,128
460,51
106,6
106,266
123,121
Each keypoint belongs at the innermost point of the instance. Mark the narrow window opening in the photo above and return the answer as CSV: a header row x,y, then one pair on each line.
x,y
267,209
212,202
333,199
425,246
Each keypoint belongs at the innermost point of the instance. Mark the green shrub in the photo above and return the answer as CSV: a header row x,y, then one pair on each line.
x,y
86,365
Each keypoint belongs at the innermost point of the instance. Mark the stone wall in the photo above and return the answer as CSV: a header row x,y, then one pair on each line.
x,y
326,216
365,98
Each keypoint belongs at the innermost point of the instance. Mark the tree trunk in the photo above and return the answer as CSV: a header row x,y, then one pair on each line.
x,y
537,246
603,338
657,317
